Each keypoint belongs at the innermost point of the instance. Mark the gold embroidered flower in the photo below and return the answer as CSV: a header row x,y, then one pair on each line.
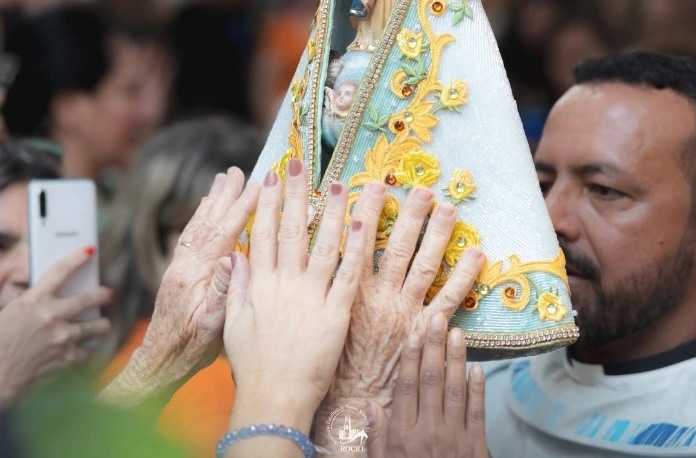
x,y
461,186
438,7
382,161
418,168
440,280
311,49
551,307
463,236
418,120
398,85
410,43
297,89
386,222
454,94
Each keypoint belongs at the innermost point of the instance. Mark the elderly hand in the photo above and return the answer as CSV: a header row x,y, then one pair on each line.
x,y
390,303
37,334
435,411
185,333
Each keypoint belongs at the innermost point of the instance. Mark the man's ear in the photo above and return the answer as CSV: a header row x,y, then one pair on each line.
x,y
71,109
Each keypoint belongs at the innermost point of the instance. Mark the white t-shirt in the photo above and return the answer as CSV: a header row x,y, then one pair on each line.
x,y
548,406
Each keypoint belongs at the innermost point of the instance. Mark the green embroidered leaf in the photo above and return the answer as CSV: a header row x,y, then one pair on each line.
x,y
469,11
458,109
373,113
456,6
458,16
383,120
420,65
304,111
408,68
413,80
372,126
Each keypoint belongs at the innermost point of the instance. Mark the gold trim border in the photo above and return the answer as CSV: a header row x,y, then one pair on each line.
x,y
350,128
567,334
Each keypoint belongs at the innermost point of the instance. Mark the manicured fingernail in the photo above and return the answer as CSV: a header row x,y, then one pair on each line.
x,y
336,189
355,226
371,412
90,250
437,322
414,340
424,195
473,252
271,179
294,167
455,337
446,209
477,373
376,188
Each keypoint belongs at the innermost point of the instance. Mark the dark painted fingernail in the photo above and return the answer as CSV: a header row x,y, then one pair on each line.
x,y
336,189
446,209
90,250
356,226
294,167
271,179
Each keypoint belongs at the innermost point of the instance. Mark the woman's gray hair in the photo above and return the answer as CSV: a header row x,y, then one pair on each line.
x,y
173,172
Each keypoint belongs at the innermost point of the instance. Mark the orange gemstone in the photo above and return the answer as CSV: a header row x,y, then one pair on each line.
x,y
470,302
317,193
407,90
510,292
437,7
399,125
390,179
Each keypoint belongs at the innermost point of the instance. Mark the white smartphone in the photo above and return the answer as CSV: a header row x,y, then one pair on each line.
x,y
62,219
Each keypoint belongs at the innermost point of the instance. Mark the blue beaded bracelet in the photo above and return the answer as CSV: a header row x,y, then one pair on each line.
x,y
270,429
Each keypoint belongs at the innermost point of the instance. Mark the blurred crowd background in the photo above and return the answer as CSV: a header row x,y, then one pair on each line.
x,y
150,98
166,60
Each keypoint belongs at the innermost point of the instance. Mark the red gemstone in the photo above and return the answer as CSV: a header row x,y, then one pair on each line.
x,y
470,302
437,7
407,90
510,292
390,179
399,125
317,193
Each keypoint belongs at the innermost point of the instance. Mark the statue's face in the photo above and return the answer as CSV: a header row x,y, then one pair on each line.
x,y
344,96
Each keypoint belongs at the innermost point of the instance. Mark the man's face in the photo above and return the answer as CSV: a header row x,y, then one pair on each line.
x,y
610,167
14,243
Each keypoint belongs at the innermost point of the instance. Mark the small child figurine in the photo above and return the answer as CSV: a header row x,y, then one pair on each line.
x,y
337,103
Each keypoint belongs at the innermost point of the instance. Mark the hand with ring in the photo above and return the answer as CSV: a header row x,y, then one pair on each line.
x,y
185,333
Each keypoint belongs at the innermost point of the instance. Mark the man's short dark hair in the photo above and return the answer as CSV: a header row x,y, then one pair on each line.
x,y
649,69
24,160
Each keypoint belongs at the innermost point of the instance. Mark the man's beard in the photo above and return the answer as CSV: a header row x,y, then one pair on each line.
x,y
638,301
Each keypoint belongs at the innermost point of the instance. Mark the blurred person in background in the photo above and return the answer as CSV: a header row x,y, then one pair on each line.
x,y
95,89
156,200
213,44
569,44
283,37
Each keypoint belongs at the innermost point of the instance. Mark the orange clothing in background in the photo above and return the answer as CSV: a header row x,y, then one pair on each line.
x,y
199,413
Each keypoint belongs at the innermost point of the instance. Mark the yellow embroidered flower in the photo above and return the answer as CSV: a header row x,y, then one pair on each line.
x,y
389,214
398,85
551,307
297,89
311,49
410,43
382,161
463,236
454,94
438,283
419,120
438,7
418,168
280,165
461,186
